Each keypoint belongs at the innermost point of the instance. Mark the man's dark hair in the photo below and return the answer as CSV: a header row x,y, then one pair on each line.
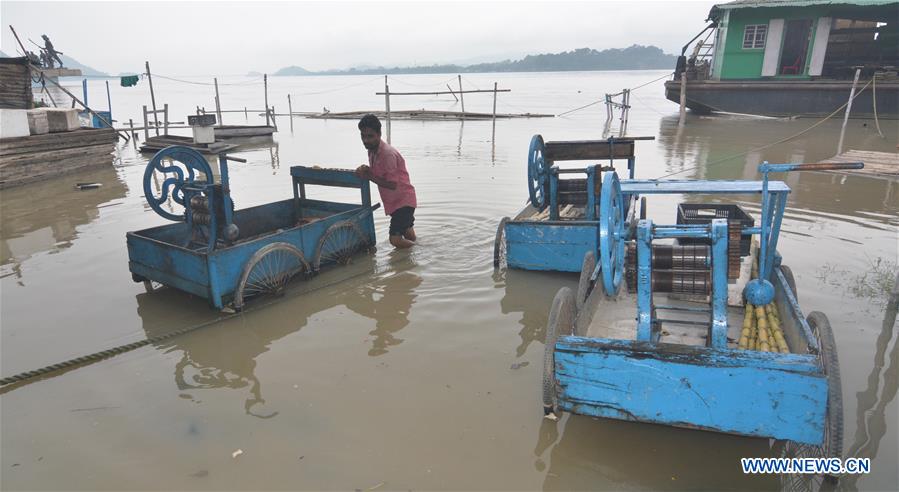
x,y
370,121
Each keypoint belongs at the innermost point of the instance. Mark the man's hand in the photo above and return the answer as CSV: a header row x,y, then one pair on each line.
x,y
363,172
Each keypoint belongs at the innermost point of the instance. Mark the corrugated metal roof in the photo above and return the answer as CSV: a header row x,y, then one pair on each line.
x,y
740,4
743,4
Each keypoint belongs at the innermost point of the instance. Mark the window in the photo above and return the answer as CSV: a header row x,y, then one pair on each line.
x,y
754,36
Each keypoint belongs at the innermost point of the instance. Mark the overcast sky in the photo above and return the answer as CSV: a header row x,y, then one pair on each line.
x,y
221,38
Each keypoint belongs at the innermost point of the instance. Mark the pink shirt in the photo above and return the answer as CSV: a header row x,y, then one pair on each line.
x,y
387,163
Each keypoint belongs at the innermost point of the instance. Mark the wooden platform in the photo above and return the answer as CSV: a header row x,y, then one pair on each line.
x,y
36,157
155,144
423,114
238,131
879,164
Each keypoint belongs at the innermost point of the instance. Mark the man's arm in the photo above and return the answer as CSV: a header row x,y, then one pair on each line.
x,y
390,185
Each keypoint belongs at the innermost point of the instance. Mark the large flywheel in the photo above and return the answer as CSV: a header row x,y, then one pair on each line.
x,y
538,173
612,233
176,166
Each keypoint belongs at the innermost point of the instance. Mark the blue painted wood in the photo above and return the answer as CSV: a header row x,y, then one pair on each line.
x,y
781,396
644,280
718,331
549,246
327,177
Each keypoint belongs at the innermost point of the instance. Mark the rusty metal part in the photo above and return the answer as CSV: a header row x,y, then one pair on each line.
x,y
668,263
734,236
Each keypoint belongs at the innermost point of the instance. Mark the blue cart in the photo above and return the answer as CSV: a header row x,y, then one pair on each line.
x,y
228,256
559,223
652,334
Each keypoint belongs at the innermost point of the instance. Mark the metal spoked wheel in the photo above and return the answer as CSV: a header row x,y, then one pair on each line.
x,y
560,323
832,446
538,172
612,244
584,284
338,244
499,245
268,272
177,166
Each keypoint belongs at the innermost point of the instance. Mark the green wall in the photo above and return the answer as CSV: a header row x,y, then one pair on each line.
x,y
738,63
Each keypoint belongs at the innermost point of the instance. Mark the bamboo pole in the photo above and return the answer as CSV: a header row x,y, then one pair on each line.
x,y
451,92
461,92
165,119
109,101
274,122
265,83
218,102
152,97
683,98
290,112
494,113
146,125
858,72
387,103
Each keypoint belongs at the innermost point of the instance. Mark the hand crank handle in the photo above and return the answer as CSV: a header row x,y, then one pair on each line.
x,y
821,166
235,159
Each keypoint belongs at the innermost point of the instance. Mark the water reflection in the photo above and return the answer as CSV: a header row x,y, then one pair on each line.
x,y
527,293
602,454
870,421
225,355
45,216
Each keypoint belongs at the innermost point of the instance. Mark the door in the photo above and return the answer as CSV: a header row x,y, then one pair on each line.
x,y
795,46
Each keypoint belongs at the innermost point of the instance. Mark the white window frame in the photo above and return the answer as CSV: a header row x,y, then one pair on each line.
x,y
754,43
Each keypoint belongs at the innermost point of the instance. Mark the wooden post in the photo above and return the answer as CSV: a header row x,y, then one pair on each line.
x,y
131,124
290,112
146,125
218,103
265,83
108,101
245,116
451,92
165,118
461,96
274,122
152,98
858,72
683,98
494,113
387,102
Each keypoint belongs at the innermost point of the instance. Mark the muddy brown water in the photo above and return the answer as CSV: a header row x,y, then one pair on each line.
x,y
405,370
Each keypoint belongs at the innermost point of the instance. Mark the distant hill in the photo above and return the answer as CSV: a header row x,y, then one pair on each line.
x,y
293,70
635,57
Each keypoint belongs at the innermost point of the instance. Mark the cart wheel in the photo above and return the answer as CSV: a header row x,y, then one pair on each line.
x,y
339,243
561,322
584,285
268,272
832,447
499,245
791,281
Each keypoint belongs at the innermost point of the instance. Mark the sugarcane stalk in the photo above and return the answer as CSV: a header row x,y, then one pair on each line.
x,y
763,343
776,329
746,333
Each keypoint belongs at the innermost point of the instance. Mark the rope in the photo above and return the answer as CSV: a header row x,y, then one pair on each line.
x,y
604,100
250,82
441,84
121,349
803,132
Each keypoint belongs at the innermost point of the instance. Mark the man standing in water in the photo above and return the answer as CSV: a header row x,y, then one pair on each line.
x,y
387,169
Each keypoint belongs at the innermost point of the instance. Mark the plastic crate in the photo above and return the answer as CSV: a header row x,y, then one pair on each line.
x,y
703,213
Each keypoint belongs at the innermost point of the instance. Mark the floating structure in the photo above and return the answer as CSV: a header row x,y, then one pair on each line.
x,y
422,114
879,164
155,144
40,143
37,157
793,58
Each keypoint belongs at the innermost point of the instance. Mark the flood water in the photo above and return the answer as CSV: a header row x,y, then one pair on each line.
x,y
407,370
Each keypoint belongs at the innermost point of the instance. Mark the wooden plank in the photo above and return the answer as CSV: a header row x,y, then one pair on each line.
x,y
745,392
55,141
590,149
